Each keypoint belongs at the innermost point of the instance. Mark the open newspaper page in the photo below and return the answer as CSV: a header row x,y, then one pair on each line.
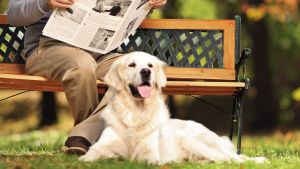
x,y
97,25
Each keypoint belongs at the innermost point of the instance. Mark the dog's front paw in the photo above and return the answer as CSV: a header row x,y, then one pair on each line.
x,y
88,157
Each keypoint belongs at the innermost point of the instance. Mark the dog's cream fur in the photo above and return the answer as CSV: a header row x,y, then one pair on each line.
x,y
141,129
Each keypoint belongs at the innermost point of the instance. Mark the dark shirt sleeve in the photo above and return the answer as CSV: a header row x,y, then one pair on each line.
x,y
26,12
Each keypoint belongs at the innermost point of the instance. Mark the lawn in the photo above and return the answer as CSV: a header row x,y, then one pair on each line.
x,y
41,149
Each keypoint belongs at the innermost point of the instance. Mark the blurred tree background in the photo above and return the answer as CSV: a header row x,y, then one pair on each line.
x,y
3,4
271,28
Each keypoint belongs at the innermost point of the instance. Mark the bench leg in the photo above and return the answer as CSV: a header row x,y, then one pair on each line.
x,y
233,118
237,116
240,109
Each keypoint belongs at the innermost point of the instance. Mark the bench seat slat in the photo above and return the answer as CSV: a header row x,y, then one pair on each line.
x,y
173,73
27,82
11,68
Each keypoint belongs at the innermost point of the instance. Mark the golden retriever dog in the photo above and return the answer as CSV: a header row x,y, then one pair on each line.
x,y
138,126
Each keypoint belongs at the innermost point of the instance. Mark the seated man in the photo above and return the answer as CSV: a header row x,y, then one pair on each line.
x,y
59,61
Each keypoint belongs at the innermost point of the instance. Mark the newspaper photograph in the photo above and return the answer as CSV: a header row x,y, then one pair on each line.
x,y
97,25
112,7
101,39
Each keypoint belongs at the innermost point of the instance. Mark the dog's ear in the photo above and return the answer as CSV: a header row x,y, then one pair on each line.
x,y
161,78
114,77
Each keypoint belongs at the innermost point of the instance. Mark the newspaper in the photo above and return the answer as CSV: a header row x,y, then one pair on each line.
x,y
97,25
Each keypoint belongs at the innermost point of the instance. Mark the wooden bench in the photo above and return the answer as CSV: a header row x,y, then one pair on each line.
x,y
204,58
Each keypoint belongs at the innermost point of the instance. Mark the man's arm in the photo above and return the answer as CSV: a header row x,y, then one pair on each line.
x,y
157,3
26,12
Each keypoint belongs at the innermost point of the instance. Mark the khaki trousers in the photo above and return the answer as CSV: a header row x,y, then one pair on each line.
x,y
78,71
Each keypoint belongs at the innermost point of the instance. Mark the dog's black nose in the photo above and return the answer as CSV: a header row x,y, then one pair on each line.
x,y
145,73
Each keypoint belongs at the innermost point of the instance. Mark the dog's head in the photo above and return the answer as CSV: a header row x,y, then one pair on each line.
x,y
137,73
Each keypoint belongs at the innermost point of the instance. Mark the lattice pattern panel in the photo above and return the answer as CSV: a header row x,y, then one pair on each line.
x,y
180,48
11,44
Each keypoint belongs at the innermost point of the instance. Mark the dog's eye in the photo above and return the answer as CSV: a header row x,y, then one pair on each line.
x,y
150,65
131,65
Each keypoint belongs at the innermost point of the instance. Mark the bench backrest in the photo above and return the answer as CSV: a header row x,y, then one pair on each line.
x,y
193,49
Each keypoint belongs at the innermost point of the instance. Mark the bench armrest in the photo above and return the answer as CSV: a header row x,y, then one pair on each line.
x,y
241,64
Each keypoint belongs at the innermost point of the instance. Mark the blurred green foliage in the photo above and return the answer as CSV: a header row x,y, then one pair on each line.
x,y
199,9
193,9
3,5
285,60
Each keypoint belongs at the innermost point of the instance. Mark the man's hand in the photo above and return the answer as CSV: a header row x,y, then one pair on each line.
x,y
60,3
157,3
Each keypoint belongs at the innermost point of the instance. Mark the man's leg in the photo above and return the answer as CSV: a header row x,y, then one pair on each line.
x,y
93,126
76,68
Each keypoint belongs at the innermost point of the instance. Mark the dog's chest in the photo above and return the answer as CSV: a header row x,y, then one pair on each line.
x,y
137,139
136,126
133,120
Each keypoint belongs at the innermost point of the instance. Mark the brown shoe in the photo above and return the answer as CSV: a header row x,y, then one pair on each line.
x,y
76,145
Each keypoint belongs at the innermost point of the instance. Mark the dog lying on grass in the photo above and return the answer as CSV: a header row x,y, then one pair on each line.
x,y
138,126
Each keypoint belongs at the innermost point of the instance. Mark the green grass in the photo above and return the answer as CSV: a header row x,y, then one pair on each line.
x,y
41,150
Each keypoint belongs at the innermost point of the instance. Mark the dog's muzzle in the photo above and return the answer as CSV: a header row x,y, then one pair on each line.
x,y
143,90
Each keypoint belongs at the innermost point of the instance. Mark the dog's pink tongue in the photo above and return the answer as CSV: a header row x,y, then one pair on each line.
x,y
144,91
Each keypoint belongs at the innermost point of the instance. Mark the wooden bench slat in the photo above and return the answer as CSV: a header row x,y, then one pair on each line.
x,y
35,87
192,24
41,80
201,92
229,45
3,19
10,68
199,73
38,87
49,88
173,73
27,82
171,91
185,84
